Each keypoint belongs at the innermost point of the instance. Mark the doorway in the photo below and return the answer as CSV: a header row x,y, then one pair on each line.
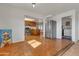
x,y
33,28
67,28
50,29
53,23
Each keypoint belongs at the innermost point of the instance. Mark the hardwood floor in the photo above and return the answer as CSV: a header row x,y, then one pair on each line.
x,y
49,47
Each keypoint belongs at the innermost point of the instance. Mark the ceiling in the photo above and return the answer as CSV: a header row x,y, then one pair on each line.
x,y
46,8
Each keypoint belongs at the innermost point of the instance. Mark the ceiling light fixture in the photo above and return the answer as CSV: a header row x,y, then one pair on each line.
x,y
33,5
29,19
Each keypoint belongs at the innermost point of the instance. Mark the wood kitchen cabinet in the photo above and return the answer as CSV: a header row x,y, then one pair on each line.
x,y
30,23
32,26
35,31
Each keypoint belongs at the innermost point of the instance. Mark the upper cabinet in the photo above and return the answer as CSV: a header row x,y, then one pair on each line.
x,y
30,23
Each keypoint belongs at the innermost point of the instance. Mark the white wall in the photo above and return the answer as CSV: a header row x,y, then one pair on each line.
x,y
58,18
13,18
78,27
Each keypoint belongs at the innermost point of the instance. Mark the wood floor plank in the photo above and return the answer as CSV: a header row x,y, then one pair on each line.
x,y
49,47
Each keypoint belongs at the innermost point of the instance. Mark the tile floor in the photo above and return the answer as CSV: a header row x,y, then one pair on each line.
x,y
73,51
